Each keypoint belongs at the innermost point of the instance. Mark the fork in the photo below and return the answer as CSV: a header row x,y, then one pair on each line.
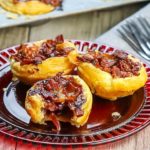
x,y
137,34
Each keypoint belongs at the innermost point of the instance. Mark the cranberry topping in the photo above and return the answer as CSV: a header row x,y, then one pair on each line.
x,y
54,3
117,64
32,54
60,93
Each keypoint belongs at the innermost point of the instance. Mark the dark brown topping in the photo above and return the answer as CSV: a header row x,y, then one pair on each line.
x,y
32,54
117,64
55,121
54,3
60,93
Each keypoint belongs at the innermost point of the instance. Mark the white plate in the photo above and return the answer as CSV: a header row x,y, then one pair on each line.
x,y
69,7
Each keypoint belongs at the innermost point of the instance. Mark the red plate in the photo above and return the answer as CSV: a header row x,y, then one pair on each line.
x,y
101,126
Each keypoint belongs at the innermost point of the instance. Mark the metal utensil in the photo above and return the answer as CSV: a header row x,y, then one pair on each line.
x,y
137,34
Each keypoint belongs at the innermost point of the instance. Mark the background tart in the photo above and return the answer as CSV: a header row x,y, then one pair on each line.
x,y
32,7
118,75
72,102
40,60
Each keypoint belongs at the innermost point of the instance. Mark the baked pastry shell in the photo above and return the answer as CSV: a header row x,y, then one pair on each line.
x,y
31,73
35,104
103,84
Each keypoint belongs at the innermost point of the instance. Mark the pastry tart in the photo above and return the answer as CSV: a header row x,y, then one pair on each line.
x,y
40,60
110,76
30,7
59,98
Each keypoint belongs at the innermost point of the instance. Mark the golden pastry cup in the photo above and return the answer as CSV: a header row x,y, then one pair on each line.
x,y
35,104
32,73
103,84
27,8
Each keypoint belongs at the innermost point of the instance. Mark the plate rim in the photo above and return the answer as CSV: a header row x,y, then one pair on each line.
x,y
93,142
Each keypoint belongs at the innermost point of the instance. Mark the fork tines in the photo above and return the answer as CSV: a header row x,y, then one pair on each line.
x,y
137,34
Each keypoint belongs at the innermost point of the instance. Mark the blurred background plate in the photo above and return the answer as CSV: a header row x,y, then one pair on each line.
x,y
70,7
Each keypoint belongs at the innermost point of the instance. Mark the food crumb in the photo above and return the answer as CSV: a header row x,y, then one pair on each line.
x,y
4,89
28,17
2,11
14,78
116,116
11,16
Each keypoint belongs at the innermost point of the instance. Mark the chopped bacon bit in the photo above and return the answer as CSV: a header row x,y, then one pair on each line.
x,y
53,84
51,106
86,57
55,121
55,3
59,39
60,93
118,63
79,112
115,71
120,54
32,54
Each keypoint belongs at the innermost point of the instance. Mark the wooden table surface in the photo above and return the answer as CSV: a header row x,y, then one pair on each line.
x,y
85,26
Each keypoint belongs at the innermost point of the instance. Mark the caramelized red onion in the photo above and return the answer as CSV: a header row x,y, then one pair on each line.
x,y
32,54
117,64
60,94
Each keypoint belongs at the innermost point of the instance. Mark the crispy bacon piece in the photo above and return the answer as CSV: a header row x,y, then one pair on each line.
x,y
59,39
120,54
32,54
55,121
60,93
118,63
